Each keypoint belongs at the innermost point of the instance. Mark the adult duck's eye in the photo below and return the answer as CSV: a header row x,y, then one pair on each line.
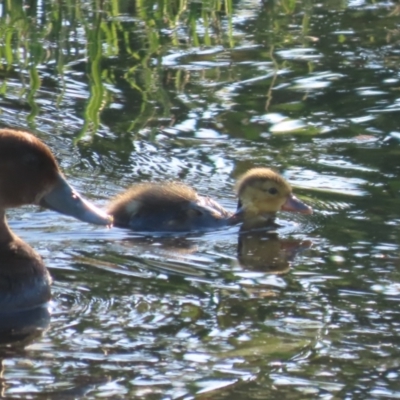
x,y
272,190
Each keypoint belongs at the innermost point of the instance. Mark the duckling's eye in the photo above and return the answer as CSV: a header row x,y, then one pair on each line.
x,y
272,190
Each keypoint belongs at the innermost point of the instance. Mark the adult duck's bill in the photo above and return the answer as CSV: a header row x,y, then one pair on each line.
x,y
293,204
66,200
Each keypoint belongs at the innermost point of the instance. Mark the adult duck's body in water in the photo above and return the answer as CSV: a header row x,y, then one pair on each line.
x,y
29,174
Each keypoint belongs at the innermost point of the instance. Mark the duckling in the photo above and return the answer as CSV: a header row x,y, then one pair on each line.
x,y
29,174
175,207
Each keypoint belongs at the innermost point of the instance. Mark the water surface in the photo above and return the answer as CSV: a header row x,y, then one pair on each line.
x,y
200,93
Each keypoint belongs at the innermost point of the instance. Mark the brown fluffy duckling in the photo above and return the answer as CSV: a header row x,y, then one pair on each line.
x,y
175,207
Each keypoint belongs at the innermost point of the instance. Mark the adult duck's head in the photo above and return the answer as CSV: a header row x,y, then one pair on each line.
x,y
263,192
29,174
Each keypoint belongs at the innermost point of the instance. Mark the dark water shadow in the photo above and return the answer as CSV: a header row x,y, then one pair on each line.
x,y
19,329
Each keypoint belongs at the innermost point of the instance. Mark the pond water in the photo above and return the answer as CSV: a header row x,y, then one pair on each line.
x,y
126,92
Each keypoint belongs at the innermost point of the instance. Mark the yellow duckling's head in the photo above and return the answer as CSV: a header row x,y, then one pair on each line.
x,y
262,192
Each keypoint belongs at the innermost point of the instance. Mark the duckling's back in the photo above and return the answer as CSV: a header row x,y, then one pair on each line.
x,y
166,207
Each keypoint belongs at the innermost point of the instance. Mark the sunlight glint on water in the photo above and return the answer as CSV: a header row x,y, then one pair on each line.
x,y
132,93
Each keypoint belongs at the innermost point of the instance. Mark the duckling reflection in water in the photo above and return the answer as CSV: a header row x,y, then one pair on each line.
x,y
258,250
266,252
175,207
29,174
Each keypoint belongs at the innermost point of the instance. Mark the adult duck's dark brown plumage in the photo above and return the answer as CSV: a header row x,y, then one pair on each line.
x,y
29,174
175,207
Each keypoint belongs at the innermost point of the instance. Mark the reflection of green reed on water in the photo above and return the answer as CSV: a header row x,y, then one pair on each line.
x,y
112,52
97,32
17,50
119,49
169,25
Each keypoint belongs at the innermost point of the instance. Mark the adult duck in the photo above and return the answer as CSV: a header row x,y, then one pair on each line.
x,y
175,207
29,174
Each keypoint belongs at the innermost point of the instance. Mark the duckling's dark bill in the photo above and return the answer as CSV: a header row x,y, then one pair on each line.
x,y
64,199
293,204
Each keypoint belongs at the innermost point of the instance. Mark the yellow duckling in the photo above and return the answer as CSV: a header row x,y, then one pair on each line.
x,y
175,207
